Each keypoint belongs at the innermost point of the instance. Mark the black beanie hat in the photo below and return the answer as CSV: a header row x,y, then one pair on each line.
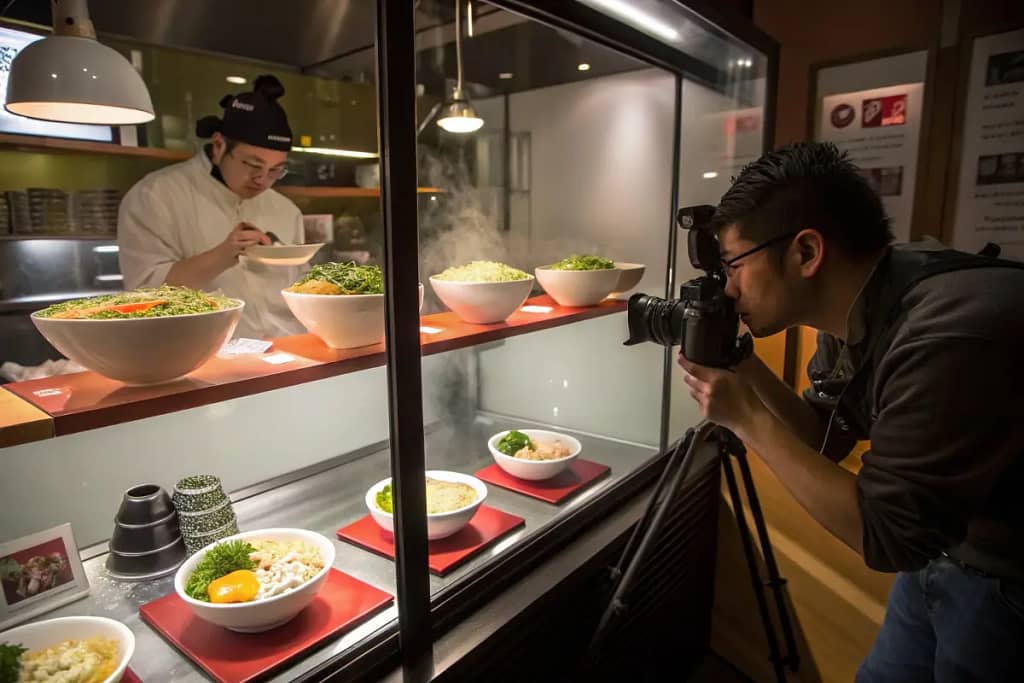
x,y
254,118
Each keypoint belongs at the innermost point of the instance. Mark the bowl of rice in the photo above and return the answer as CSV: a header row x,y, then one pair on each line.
x,y
256,580
144,336
452,500
342,303
579,280
482,292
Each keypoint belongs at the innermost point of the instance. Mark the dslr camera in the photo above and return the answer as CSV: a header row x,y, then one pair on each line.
x,y
703,320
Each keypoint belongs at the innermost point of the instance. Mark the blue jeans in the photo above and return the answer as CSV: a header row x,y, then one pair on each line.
x,y
948,624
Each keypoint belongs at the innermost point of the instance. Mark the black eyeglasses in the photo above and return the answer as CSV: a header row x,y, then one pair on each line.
x,y
763,245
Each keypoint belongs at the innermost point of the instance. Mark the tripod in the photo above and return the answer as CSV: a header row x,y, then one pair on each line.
x,y
646,531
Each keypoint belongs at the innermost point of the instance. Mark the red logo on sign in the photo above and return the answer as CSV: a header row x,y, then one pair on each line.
x,y
885,111
842,115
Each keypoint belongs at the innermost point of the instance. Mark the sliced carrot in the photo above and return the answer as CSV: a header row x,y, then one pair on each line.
x,y
134,307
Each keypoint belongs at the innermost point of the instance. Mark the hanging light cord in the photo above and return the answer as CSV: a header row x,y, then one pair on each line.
x,y
458,47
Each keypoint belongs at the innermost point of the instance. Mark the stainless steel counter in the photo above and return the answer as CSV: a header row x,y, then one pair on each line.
x,y
327,500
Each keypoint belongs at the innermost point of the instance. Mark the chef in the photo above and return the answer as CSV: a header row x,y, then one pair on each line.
x,y
190,223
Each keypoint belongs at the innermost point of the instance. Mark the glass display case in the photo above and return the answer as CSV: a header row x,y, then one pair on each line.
x,y
599,120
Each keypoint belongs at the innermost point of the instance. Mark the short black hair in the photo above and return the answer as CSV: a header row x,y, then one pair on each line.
x,y
807,185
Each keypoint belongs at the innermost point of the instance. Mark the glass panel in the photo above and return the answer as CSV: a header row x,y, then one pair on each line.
x,y
570,159
722,130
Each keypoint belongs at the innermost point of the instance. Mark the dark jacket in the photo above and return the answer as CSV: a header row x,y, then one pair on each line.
x,y
932,375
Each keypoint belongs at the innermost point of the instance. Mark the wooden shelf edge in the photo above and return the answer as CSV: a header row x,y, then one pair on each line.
x,y
316,362
40,143
311,192
21,422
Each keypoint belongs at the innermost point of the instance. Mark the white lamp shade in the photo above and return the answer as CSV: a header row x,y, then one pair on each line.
x,y
459,117
76,80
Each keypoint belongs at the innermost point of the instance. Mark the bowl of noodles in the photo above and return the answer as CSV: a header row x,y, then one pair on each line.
x,y
143,336
256,580
342,303
88,649
452,500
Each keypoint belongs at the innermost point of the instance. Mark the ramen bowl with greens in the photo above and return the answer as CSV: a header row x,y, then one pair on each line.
x,y
482,292
143,336
579,280
342,303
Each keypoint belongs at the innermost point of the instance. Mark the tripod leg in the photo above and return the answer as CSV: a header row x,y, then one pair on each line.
x,y
775,580
755,573
656,511
640,529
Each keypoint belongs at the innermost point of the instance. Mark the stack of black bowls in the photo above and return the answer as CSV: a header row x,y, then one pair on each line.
x,y
146,543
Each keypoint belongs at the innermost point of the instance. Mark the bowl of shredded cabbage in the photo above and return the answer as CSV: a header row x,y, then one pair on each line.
x,y
143,336
482,291
579,280
342,303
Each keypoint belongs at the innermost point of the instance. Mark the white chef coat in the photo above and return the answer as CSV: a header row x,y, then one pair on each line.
x,y
181,211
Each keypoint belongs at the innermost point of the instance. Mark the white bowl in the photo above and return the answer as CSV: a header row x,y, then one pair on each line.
x,y
483,302
259,615
282,254
535,470
43,634
439,525
342,321
142,350
630,275
577,288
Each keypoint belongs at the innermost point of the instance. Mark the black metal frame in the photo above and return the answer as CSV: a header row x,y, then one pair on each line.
x,y
417,623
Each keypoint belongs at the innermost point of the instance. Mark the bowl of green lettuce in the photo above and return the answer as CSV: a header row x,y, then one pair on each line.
x,y
143,336
579,280
482,292
342,303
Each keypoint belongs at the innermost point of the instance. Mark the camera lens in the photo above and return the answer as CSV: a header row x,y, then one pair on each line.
x,y
651,318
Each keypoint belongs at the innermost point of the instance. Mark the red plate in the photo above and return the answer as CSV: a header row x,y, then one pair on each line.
x,y
580,474
229,657
444,555
130,677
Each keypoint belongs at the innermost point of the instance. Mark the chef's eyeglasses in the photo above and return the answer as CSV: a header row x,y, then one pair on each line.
x,y
256,170
731,263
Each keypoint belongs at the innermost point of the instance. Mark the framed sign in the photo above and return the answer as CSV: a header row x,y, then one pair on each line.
x,y
38,573
990,188
873,109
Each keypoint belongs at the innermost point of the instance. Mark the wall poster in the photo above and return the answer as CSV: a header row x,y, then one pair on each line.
x,y
873,110
990,191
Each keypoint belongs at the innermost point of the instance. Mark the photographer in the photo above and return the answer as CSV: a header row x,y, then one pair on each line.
x,y
919,352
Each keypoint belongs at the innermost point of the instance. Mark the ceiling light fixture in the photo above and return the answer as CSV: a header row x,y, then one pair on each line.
x,y
583,67
458,114
505,75
71,78
636,17
237,80
708,175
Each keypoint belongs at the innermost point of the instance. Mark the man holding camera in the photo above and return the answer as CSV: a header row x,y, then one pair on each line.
x,y
918,351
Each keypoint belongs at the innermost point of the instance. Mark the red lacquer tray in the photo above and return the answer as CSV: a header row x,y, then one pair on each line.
x,y
343,602
580,474
487,526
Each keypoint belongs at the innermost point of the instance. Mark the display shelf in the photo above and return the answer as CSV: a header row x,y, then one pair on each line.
x,y
332,497
38,143
86,400
55,236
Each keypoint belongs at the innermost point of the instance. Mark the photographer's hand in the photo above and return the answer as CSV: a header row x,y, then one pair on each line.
x,y
724,396
825,489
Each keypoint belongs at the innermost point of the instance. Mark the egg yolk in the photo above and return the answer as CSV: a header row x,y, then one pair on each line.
x,y
238,586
